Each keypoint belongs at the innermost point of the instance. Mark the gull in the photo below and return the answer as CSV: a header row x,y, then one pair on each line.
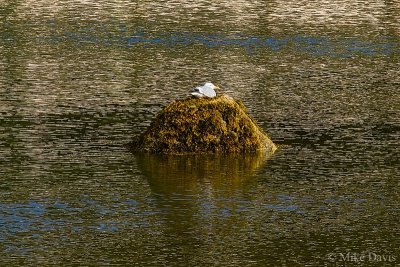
x,y
208,90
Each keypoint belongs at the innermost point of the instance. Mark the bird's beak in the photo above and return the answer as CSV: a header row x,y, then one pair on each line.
x,y
217,87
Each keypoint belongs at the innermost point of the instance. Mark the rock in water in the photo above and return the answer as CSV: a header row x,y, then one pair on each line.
x,y
201,125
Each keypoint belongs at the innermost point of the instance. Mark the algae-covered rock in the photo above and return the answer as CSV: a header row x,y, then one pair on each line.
x,y
196,125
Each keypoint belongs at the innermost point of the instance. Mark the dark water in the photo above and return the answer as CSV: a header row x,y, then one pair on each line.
x,y
78,79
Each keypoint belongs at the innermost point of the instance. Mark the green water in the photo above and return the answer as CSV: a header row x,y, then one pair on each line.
x,y
78,79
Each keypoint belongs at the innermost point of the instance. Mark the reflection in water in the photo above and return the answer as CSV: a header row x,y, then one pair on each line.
x,y
189,189
170,174
192,193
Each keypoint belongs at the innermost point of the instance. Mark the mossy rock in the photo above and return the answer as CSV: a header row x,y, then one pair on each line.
x,y
201,125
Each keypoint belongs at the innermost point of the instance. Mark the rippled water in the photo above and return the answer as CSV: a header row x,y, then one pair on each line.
x,y
78,79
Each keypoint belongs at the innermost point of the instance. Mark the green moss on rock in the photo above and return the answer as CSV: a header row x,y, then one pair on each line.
x,y
198,125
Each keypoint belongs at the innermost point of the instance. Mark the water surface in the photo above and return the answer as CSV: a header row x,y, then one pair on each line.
x,y
78,79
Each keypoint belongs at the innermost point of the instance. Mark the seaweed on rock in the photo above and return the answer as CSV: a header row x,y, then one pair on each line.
x,y
198,125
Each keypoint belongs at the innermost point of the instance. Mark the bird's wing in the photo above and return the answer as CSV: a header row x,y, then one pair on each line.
x,y
197,89
197,94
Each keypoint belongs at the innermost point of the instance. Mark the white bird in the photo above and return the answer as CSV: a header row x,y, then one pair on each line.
x,y
208,90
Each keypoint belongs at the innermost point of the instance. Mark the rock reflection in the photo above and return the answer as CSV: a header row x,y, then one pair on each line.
x,y
183,174
200,199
